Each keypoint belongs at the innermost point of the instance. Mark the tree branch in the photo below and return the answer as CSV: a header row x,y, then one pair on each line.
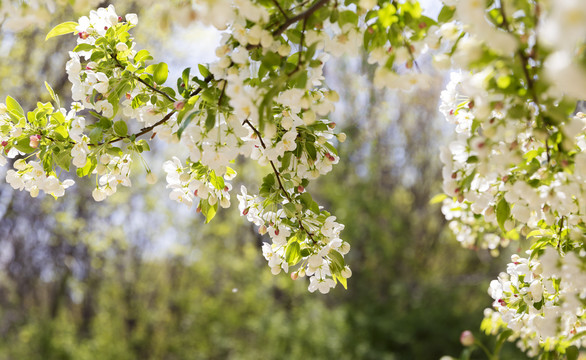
x,y
276,2
142,81
304,15
145,129
278,176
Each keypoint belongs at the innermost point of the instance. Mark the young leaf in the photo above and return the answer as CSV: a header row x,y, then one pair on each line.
x,y
209,211
203,71
160,74
293,253
438,199
503,211
142,55
13,106
52,93
120,128
62,29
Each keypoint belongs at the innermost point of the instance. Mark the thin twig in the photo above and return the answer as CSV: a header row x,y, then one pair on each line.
x,y
144,130
142,81
289,21
303,15
276,2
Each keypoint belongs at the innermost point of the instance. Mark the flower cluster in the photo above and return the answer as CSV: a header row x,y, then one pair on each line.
x,y
515,168
516,165
225,111
542,300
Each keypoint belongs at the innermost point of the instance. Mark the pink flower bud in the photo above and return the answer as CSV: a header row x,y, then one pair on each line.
x,y
245,212
332,125
34,141
4,143
178,105
83,35
294,276
120,19
300,189
198,209
467,338
226,189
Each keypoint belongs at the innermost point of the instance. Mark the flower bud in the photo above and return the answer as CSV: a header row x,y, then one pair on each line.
x,y
178,105
467,338
262,230
105,159
151,178
284,50
121,47
300,189
185,177
34,191
309,117
20,164
341,137
346,272
245,211
34,141
332,96
294,276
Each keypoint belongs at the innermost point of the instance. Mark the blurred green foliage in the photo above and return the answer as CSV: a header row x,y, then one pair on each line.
x,y
131,279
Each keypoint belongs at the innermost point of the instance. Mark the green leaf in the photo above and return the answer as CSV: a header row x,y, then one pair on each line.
x,y
209,211
52,93
210,119
290,209
572,353
446,14
186,122
348,17
84,47
160,74
23,144
63,160
503,211
438,199
286,160
13,106
217,181
142,56
203,71
311,151
95,135
90,165
120,128
306,199
293,253
342,281
62,29
338,262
